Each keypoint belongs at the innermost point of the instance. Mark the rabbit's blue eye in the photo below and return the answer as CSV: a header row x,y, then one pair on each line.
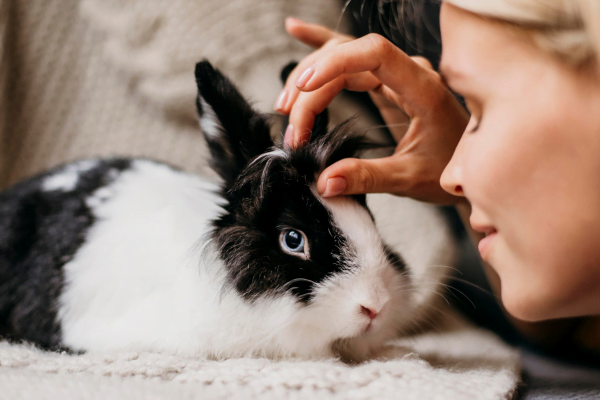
x,y
293,242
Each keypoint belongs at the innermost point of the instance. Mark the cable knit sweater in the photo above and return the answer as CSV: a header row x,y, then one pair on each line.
x,y
115,77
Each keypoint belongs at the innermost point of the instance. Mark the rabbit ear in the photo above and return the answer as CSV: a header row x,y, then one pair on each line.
x,y
235,133
287,70
320,126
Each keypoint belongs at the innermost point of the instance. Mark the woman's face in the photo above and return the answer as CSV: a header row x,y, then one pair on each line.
x,y
529,164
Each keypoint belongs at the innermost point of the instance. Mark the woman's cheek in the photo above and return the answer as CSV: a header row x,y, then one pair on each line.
x,y
516,291
520,291
494,184
536,282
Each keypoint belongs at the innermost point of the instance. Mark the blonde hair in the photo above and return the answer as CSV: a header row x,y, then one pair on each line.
x,y
568,28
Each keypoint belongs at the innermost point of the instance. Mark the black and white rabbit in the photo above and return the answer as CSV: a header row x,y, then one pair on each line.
x,y
131,253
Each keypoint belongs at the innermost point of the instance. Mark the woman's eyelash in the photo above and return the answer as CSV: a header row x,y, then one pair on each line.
x,y
472,120
473,129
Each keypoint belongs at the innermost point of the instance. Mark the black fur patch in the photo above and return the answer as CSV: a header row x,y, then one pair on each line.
x,y
271,195
268,193
244,133
395,259
39,232
248,239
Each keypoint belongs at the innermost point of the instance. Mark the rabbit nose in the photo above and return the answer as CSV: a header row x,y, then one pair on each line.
x,y
368,312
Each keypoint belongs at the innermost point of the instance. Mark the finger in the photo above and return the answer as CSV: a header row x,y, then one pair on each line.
x,y
397,71
308,105
311,34
290,92
355,82
395,174
396,120
423,62
363,176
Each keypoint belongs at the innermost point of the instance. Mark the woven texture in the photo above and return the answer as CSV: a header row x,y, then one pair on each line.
x,y
459,363
80,79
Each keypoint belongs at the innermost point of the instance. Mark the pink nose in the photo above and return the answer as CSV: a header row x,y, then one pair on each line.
x,y
369,312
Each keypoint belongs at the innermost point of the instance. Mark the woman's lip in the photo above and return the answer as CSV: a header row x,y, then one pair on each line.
x,y
486,243
481,228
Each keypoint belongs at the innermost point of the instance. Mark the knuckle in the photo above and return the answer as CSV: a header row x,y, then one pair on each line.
x,y
433,76
381,45
366,182
335,41
436,91
422,61
306,104
442,98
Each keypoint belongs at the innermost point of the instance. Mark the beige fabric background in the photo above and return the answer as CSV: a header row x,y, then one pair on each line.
x,y
115,77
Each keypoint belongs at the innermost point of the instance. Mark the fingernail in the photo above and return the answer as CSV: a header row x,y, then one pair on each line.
x,y
288,138
335,186
304,77
281,100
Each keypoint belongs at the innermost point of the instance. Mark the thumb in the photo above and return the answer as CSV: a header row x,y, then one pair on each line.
x,y
355,176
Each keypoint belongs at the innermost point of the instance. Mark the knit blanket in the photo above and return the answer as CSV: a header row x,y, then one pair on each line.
x,y
461,362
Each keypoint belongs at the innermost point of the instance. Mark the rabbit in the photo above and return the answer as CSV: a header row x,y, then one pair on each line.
x,y
130,253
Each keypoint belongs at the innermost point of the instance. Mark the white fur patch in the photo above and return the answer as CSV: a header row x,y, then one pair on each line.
x,y
418,232
209,123
274,153
357,226
269,156
369,282
145,279
66,179
136,278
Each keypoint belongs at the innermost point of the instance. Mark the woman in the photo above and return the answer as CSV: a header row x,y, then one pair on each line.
x,y
524,165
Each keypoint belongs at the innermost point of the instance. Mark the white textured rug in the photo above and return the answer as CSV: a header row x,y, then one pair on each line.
x,y
460,363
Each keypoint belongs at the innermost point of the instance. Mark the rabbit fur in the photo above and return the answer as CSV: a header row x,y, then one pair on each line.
x,y
122,253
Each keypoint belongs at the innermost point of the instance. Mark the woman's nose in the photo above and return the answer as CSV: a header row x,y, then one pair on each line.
x,y
452,177
449,182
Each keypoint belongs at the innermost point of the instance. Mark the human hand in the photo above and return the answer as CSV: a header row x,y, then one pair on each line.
x,y
312,35
400,86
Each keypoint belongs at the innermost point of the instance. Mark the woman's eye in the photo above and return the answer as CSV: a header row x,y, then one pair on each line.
x,y
293,242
